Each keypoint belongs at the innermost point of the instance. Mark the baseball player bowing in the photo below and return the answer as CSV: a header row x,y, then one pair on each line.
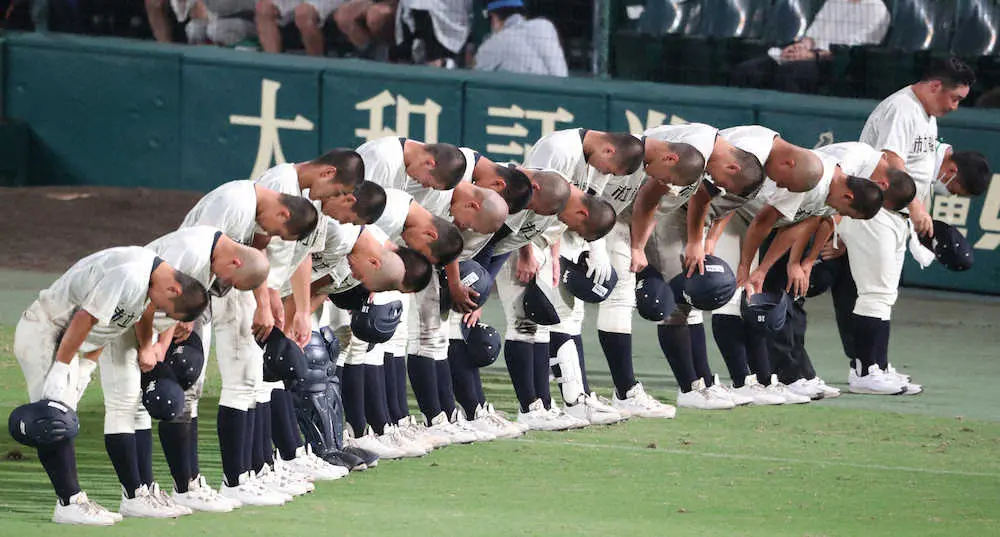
x,y
217,263
745,349
904,127
249,214
61,334
585,157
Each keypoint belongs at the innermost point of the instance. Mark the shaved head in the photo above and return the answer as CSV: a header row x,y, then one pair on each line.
x,y
551,194
253,268
795,168
690,164
492,212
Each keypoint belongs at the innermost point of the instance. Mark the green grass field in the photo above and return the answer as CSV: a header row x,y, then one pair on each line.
x,y
854,466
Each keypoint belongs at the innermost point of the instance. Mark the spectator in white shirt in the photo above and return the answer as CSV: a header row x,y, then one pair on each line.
x,y
519,44
795,67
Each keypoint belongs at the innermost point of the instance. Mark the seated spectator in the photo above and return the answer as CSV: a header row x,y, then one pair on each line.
x,y
519,44
432,32
310,16
795,68
368,25
220,22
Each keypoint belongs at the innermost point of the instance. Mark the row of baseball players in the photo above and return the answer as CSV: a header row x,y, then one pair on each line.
x,y
365,230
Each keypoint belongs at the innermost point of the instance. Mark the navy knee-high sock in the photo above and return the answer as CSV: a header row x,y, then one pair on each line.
x,y
520,359
232,425
389,369
250,439
121,451
352,391
731,336
882,345
174,439
423,377
193,448
865,331
144,455
463,378
293,419
675,342
446,392
266,433
480,394
541,376
283,429
59,462
401,393
618,351
760,360
699,354
578,340
376,408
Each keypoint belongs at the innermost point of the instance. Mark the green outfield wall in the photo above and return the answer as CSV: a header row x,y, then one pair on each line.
x,y
129,113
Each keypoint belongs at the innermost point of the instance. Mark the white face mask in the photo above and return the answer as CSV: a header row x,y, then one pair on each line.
x,y
941,186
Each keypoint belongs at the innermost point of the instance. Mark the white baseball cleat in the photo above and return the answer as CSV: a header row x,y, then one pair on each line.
x,y
809,388
167,501
482,435
790,397
564,420
316,468
638,403
201,497
829,392
759,393
393,437
590,409
911,388
250,491
415,433
440,426
487,419
876,382
702,398
369,442
537,418
144,505
280,479
81,510
726,391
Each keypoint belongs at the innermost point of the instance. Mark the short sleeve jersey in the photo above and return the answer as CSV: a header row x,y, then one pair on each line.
x,y
231,208
901,125
112,285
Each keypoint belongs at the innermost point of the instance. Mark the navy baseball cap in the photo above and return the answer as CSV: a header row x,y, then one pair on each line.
x,y
538,306
574,277
482,344
377,320
186,359
43,423
162,396
765,311
711,290
950,247
473,275
653,298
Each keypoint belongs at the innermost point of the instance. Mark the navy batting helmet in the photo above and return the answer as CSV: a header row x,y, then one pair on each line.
x,y
377,320
653,298
765,311
350,299
574,277
482,344
162,396
186,359
538,306
822,276
711,290
474,276
283,359
950,247
43,423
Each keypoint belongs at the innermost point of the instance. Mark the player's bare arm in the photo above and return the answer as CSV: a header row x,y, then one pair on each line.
x,y
757,232
781,244
694,252
798,278
643,219
301,325
263,318
527,265
715,232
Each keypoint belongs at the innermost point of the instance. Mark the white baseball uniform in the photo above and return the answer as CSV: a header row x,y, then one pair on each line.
x,y
112,285
232,208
